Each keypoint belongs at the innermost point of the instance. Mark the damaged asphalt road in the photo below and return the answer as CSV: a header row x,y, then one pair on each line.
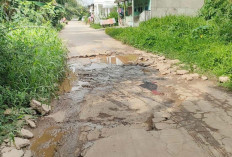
x,y
121,102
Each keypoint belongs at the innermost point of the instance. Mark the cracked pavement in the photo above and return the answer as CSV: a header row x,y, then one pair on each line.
x,y
116,103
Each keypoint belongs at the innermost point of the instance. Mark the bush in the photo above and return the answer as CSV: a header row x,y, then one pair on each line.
x,y
32,60
191,39
32,11
32,63
114,14
219,11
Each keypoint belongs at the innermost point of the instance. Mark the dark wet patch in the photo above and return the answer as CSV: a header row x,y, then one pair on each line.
x,y
114,109
118,103
199,131
146,71
150,86
149,122
160,78
118,119
104,115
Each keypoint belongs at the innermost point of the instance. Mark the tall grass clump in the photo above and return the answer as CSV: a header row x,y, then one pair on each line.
x,y
32,63
220,12
32,57
193,40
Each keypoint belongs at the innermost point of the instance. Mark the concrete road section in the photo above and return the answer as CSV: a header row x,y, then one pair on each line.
x,y
118,101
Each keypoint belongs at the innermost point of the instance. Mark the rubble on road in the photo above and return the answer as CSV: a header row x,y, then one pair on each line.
x,y
224,79
204,78
20,143
13,153
26,133
31,123
182,72
41,108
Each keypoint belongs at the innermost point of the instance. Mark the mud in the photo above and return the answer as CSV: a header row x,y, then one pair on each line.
x,y
67,84
46,145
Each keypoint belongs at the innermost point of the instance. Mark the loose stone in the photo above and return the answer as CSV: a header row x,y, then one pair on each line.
x,y
27,153
31,123
204,78
182,72
26,133
41,108
20,142
13,153
224,79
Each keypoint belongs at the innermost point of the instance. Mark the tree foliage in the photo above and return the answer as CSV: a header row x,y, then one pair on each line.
x,y
39,11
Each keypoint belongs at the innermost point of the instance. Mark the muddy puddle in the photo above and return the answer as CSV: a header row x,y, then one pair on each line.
x,y
115,59
45,146
68,83
119,59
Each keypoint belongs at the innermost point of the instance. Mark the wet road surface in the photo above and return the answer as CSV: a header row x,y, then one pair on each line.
x,y
115,103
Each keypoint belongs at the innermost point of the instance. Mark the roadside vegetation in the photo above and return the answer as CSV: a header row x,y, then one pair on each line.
x,y
96,26
205,40
32,57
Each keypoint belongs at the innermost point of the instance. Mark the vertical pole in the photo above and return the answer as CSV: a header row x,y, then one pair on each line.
x,y
118,15
133,12
124,8
97,13
150,8
93,13
124,11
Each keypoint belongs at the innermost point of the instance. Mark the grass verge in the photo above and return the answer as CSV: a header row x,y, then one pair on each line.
x,y
193,40
32,63
95,26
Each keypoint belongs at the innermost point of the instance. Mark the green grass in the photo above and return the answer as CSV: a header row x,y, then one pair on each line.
x,y
32,63
95,26
98,26
193,40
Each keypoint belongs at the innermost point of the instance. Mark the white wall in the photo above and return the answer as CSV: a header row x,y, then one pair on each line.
x,y
161,8
102,8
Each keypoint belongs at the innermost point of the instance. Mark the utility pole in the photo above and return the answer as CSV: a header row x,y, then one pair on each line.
x,y
125,9
133,12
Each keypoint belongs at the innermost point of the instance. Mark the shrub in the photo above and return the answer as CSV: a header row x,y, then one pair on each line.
x,y
113,14
219,11
32,63
32,60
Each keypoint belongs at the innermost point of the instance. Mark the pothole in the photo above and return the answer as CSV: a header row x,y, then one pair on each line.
x,y
119,59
